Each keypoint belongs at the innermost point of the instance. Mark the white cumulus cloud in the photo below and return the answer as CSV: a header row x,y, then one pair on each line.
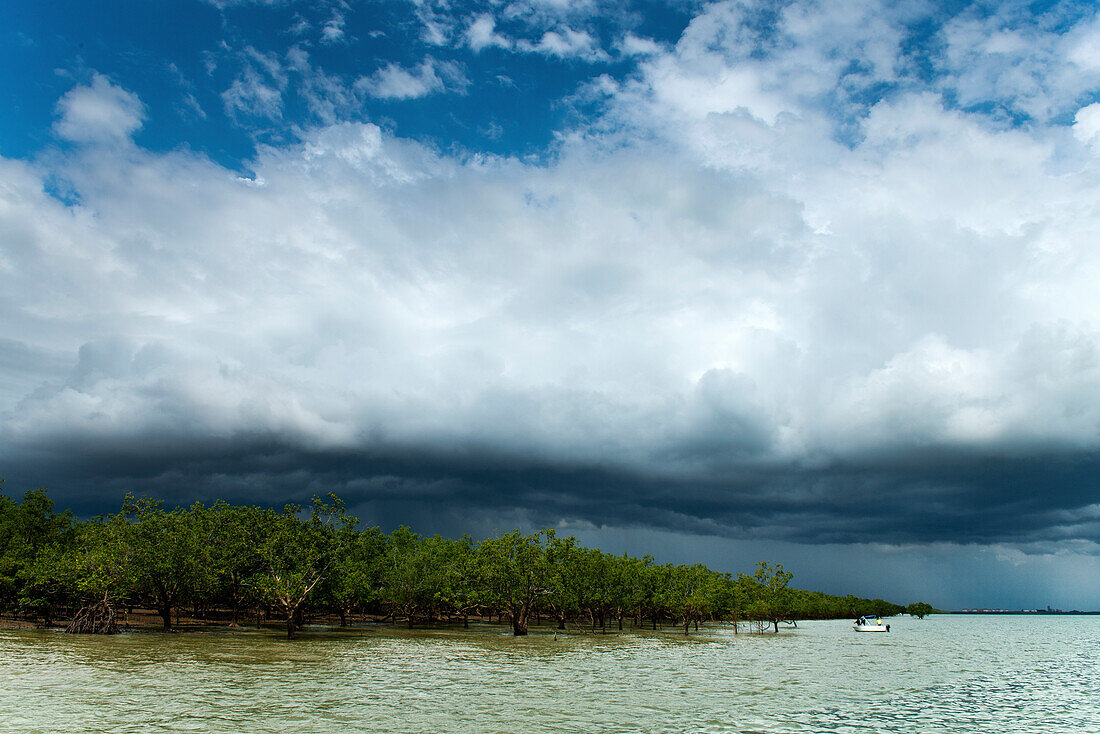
x,y
394,81
482,34
99,112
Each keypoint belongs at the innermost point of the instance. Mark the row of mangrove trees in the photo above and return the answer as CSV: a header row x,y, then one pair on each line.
x,y
236,562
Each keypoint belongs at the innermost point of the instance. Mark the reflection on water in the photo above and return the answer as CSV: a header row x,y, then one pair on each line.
x,y
942,674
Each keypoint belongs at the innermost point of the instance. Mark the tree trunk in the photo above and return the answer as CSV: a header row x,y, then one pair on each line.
x,y
620,623
519,620
466,621
166,615
343,617
290,628
687,623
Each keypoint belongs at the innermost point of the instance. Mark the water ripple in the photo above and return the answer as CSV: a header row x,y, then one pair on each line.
x,y
942,674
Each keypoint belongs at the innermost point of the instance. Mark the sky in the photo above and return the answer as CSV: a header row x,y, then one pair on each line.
x,y
811,282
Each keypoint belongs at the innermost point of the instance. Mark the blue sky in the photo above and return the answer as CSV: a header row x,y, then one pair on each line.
x,y
722,281
501,78
182,58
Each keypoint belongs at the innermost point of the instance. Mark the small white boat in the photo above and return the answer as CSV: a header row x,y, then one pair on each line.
x,y
868,624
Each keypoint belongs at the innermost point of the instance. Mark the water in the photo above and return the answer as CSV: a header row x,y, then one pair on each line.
x,y
941,674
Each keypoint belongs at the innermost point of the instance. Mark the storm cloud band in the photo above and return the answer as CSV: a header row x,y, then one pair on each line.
x,y
939,496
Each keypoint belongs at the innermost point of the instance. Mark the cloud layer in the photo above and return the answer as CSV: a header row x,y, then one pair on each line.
x,y
784,282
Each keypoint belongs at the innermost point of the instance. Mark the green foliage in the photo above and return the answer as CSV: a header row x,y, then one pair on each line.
x,y
459,590
411,574
167,553
98,565
30,534
919,609
516,574
230,536
766,594
298,561
296,555
691,594
357,574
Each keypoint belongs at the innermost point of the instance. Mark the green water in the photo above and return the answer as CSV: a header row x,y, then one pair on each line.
x,y
942,674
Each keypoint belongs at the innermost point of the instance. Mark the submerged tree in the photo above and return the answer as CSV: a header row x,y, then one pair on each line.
x,y
98,570
919,609
769,597
408,576
30,534
459,578
356,577
167,552
230,536
517,574
296,555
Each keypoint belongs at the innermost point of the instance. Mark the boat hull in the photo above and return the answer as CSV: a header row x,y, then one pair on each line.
x,y
871,627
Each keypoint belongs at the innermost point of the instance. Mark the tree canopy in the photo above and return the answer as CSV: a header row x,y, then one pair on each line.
x,y
223,561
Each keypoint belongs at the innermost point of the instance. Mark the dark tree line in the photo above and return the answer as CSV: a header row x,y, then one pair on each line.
x,y
242,563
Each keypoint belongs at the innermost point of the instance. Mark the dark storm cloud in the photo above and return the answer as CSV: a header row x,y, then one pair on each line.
x,y
930,497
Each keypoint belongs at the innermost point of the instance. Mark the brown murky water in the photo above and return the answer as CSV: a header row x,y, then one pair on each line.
x,y
942,674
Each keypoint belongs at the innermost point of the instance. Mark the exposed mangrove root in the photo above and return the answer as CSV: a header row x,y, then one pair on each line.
x,y
94,619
